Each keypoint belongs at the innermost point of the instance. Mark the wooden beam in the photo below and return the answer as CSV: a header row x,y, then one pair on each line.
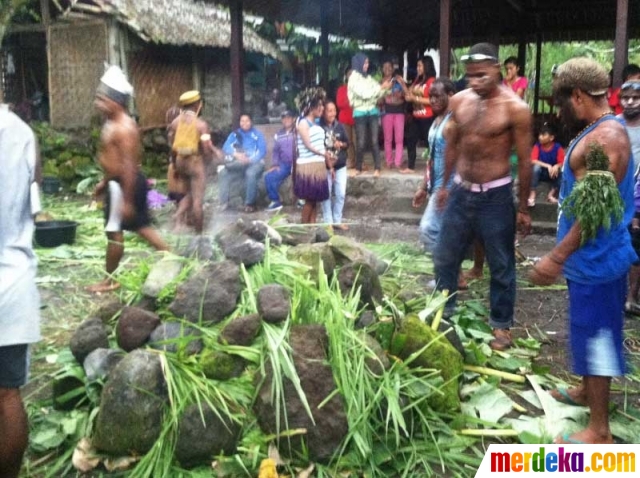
x,y
621,44
445,37
45,12
237,60
324,44
536,95
35,27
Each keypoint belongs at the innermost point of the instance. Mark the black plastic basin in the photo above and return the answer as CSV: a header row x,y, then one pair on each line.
x,y
55,233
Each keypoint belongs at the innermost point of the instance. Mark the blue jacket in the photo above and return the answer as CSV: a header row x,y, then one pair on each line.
x,y
250,142
283,148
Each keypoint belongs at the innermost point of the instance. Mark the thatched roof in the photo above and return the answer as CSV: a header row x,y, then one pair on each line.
x,y
177,23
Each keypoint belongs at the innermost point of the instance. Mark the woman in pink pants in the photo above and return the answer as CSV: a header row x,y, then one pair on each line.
x,y
393,116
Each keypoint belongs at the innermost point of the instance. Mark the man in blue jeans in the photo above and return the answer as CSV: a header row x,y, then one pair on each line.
x,y
281,160
244,150
486,122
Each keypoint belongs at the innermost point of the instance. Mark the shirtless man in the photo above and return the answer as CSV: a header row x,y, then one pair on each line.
x,y
124,184
191,156
596,272
486,121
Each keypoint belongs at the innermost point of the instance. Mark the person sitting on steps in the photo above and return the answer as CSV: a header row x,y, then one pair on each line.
x,y
547,157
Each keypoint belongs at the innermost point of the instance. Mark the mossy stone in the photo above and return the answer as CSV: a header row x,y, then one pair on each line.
x,y
439,355
220,365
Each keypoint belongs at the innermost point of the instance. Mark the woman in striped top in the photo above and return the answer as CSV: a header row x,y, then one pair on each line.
x,y
310,178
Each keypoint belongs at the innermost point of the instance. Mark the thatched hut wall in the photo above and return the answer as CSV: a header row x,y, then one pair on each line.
x,y
159,74
77,53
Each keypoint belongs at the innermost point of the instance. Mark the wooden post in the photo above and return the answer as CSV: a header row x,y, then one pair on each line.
x,y
445,37
536,95
45,12
237,60
324,44
522,56
621,44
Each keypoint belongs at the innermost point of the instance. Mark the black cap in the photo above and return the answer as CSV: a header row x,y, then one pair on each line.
x,y
288,113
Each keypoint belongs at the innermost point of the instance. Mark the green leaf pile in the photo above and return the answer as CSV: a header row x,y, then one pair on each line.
x,y
595,201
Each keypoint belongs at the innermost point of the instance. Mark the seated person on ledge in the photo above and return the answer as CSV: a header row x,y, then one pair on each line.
x,y
244,150
547,157
282,160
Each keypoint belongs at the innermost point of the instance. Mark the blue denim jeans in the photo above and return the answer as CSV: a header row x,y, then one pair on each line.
x,y
367,127
252,173
273,180
542,174
430,224
490,216
332,208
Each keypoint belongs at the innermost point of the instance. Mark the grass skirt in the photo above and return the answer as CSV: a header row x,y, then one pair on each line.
x,y
311,182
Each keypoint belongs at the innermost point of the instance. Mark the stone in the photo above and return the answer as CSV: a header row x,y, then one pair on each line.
x,y
361,275
221,365
274,304
214,291
309,345
347,250
377,361
412,337
101,362
134,327
260,231
452,336
132,406
199,247
204,435
246,251
231,234
322,235
147,303
366,319
90,335
109,310
295,234
162,273
241,330
174,336
312,255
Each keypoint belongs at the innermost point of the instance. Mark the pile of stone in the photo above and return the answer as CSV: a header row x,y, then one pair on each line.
x,y
134,398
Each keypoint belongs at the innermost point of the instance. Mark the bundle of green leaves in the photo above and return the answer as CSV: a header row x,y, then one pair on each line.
x,y
595,201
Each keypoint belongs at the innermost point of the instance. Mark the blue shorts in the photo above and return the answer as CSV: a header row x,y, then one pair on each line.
x,y
596,314
14,365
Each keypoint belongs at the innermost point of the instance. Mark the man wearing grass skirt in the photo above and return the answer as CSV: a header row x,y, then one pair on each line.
x,y
596,271
19,300
124,185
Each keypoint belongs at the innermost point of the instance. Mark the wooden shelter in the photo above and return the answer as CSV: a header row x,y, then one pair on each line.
x,y
165,47
415,25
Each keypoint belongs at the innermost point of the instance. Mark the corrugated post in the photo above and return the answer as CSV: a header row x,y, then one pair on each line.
x,y
622,41
445,37
237,60
536,96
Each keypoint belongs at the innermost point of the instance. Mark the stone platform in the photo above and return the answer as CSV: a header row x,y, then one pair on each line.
x,y
379,208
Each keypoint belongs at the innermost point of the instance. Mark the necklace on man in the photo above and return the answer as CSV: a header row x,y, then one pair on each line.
x,y
588,126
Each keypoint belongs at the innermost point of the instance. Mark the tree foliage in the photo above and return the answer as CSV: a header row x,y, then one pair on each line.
x,y
8,8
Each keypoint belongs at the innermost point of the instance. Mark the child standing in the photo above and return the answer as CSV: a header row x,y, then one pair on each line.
x,y
547,157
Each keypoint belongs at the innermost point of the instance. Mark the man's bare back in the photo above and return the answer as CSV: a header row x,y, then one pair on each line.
x,y
485,130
